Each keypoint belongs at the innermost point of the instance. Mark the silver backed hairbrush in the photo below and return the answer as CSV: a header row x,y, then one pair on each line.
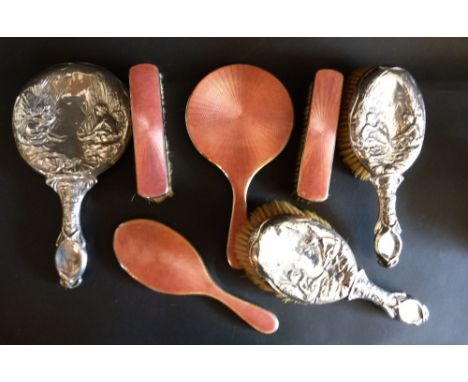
x,y
381,135
298,256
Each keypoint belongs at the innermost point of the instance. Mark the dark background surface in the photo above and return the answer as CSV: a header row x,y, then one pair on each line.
x,y
110,307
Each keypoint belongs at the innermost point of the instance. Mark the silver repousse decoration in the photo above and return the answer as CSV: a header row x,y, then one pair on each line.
x,y
387,124
307,262
70,124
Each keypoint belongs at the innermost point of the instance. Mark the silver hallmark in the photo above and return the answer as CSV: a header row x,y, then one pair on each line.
x,y
387,124
307,262
70,124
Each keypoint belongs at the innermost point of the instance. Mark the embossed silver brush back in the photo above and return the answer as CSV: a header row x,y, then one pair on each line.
x,y
70,124
387,123
307,262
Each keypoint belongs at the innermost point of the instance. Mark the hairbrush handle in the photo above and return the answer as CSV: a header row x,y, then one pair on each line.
x,y
397,305
238,219
258,318
388,243
71,256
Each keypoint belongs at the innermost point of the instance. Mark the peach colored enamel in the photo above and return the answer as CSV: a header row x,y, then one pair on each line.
x,y
240,118
319,145
164,261
148,132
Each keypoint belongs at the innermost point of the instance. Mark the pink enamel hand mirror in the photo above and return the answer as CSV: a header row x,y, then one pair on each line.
x,y
240,118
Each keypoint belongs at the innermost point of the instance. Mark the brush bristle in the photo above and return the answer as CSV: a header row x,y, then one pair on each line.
x,y
302,144
303,138
344,139
260,215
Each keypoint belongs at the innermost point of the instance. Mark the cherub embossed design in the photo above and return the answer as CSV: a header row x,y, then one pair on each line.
x,y
307,263
70,124
77,100
388,140
385,127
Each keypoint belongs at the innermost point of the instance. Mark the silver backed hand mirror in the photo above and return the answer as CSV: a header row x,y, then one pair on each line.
x,y
71,123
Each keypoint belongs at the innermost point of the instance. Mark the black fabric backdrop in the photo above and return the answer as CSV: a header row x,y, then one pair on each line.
x,y
110,307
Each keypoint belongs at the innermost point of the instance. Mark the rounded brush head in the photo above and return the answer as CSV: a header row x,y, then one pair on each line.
x,y
257,218
344,139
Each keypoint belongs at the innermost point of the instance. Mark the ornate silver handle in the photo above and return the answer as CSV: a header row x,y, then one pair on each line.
x,y
387,243
71,256
397,305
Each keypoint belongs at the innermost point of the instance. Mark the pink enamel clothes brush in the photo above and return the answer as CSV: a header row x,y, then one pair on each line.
x,y
152,165
316,159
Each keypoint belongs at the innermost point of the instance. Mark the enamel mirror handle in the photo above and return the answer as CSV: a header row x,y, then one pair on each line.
x,y
238,219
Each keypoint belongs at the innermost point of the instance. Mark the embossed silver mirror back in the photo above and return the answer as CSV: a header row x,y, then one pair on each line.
x,y
72,118
71,123
387,120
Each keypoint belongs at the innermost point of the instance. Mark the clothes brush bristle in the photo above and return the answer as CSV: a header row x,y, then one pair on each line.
x,y
303,139
344,140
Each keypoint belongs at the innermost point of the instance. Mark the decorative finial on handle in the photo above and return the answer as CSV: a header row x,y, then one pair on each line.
x,y
70,260
407,309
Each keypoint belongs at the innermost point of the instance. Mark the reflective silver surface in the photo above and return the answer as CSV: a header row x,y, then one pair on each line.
x,y
387,124
307,262
70,124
